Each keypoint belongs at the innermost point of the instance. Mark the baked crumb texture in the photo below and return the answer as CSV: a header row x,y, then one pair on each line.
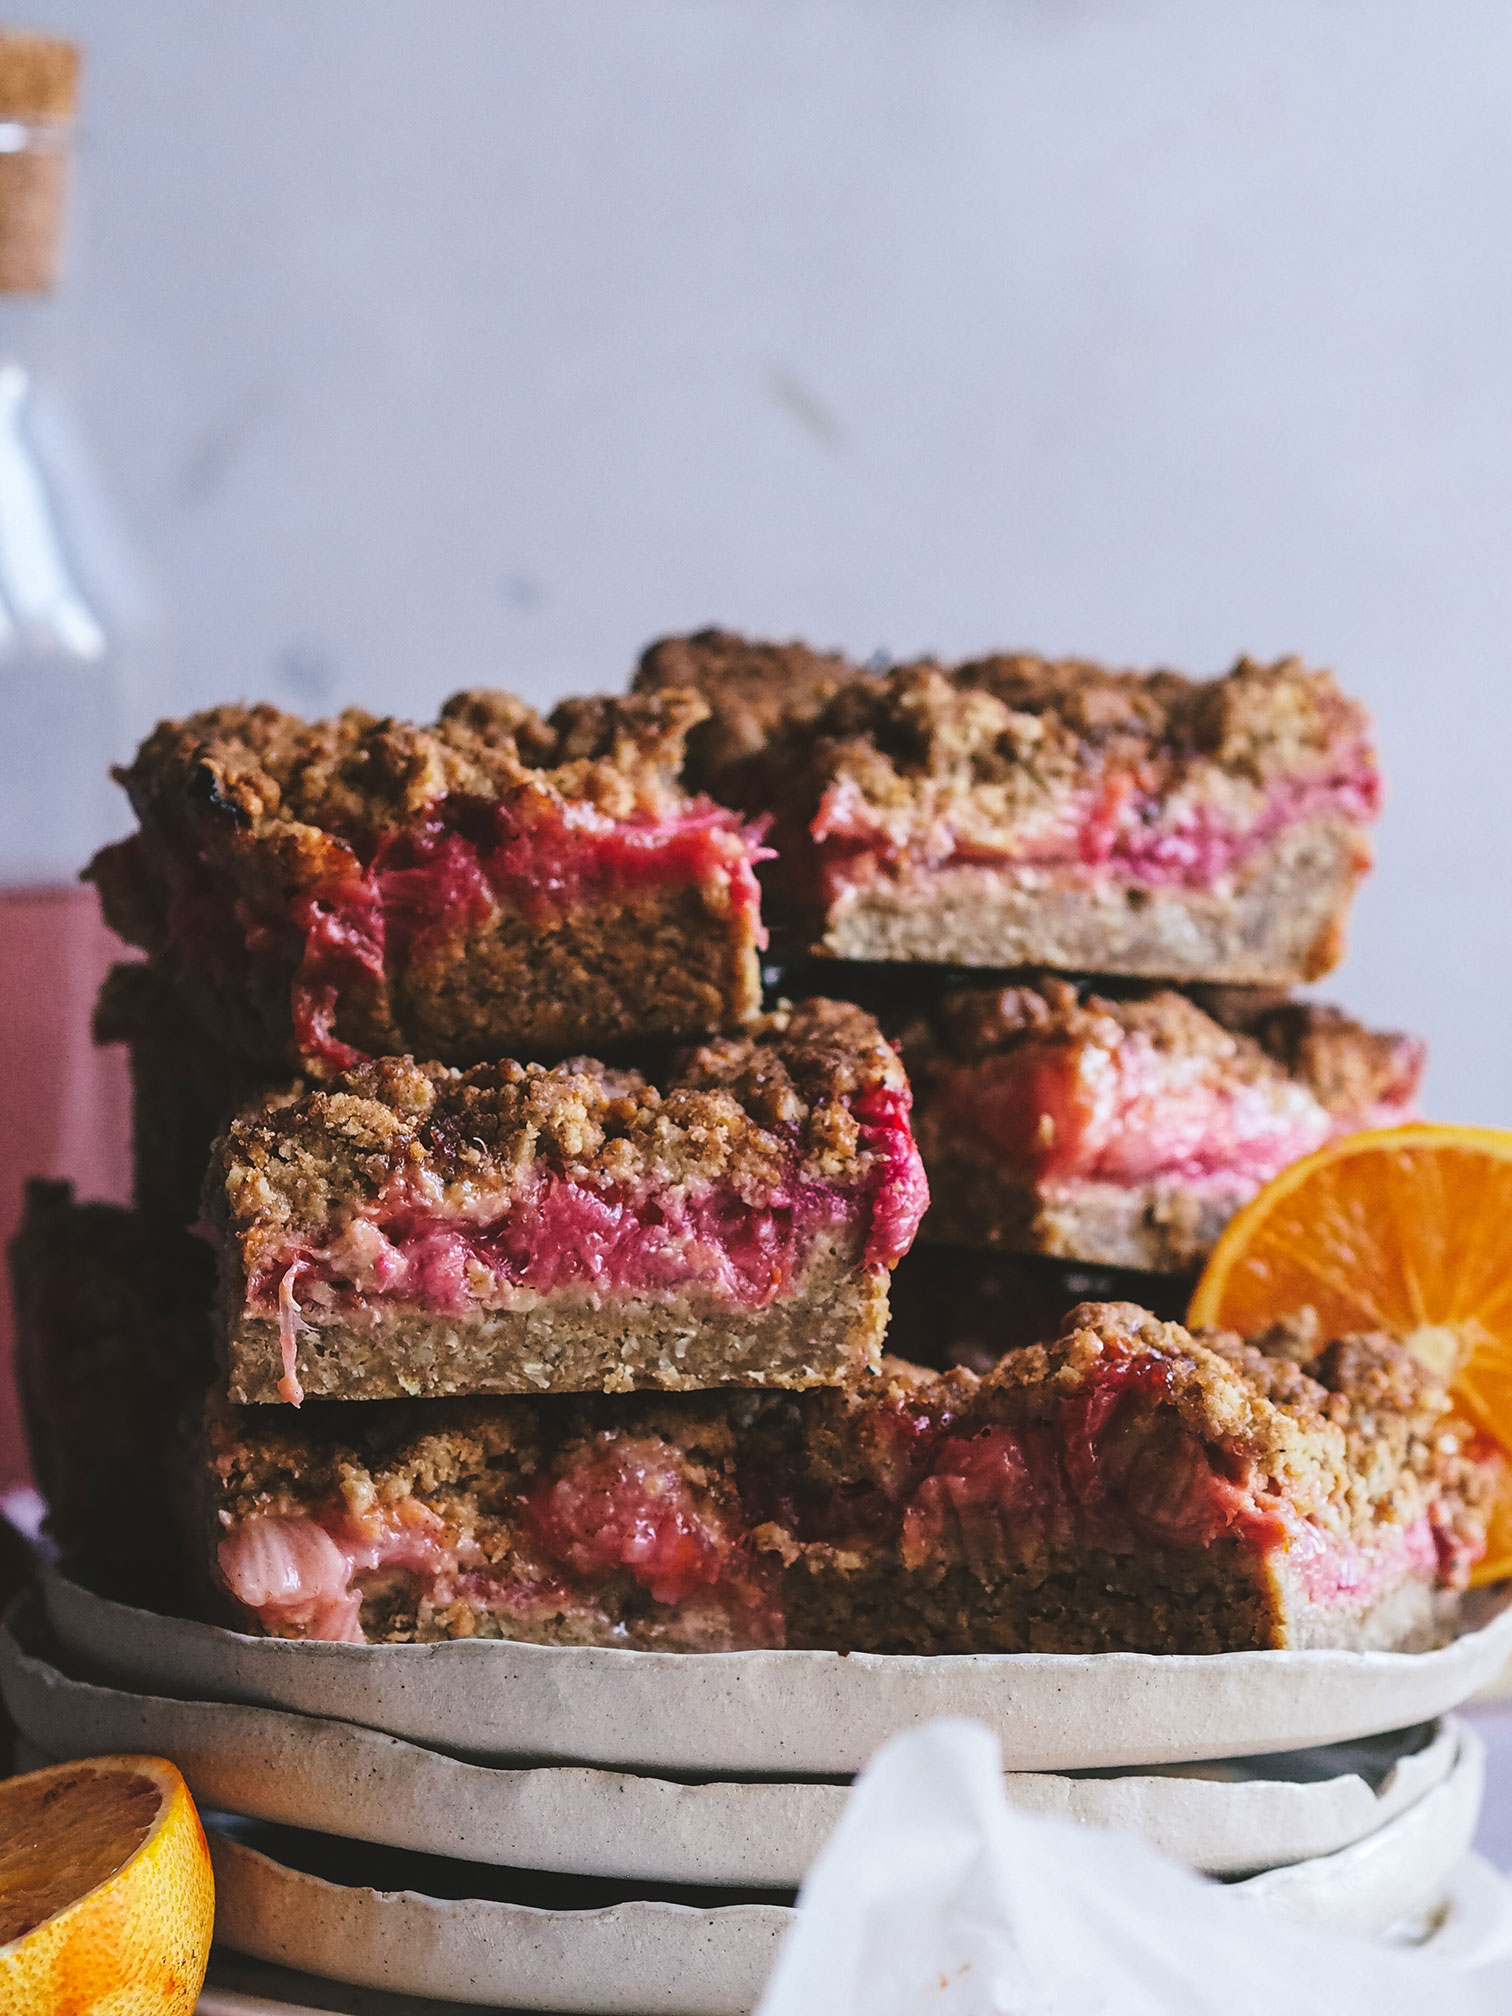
x,y
185,1088
492,885
1125,1130
1127,1488
112,1348
412,1229
1018,811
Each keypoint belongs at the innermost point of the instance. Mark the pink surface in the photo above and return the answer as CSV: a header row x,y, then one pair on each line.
x,y
428,884
64,1105
1056,1113
297,1575
1049,1112
361,912
1114,1470
1330,1573
551,1235
627,1504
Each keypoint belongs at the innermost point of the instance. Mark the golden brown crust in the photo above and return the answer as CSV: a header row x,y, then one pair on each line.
x,y
1257,721
1355,1434
1351,1432
1198,793
1348,1069
1125,1127
271,1461
990,748
266,774
1013,727
730,1114
972,1023
754,691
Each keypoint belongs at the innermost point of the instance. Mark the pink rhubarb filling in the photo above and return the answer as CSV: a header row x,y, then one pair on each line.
x,y
406,894
1050,1114
1118,830
556,1235
1113,1470
302,1576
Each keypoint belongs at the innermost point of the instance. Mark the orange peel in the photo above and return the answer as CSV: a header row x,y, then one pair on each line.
x,y
107,1899
1403,1229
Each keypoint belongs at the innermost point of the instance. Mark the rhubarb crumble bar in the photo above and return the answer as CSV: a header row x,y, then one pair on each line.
x,y
1018,811
185,1087
494,884
1124,1130
414,1229
1127,1488
112,1348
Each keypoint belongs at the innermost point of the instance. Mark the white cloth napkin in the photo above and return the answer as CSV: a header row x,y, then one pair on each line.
x,y
933,1897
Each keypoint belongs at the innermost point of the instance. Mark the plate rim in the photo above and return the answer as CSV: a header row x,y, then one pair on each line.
x,y
790,1714
505,1817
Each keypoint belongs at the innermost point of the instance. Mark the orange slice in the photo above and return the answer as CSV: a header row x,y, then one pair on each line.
x,y
1404,1229
106,1895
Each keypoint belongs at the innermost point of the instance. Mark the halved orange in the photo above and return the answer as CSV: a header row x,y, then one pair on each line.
x,y
106,1893
1404,1229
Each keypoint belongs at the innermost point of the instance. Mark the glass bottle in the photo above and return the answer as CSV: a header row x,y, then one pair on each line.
x,y
72,697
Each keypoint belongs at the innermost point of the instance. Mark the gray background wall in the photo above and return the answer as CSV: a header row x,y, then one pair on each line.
x,y
425,344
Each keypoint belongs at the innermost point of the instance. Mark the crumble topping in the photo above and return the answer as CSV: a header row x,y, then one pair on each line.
x,y
755,689
1350,1432
463,1189
1348,1069
1019,758
990,719
1248,1034
262,771
732,1114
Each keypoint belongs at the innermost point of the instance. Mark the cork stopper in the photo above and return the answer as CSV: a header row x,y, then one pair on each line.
x,y
39,87
39,77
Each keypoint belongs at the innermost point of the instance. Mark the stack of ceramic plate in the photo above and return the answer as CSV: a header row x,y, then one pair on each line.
x,y
572,1828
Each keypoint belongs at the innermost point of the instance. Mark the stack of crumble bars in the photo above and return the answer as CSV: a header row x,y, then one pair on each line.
x,y
540,1277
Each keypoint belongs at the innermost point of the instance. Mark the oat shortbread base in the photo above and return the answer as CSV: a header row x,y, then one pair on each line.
x,y
1127,1488
1279,923
1162,1227
1163,1600
756,691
